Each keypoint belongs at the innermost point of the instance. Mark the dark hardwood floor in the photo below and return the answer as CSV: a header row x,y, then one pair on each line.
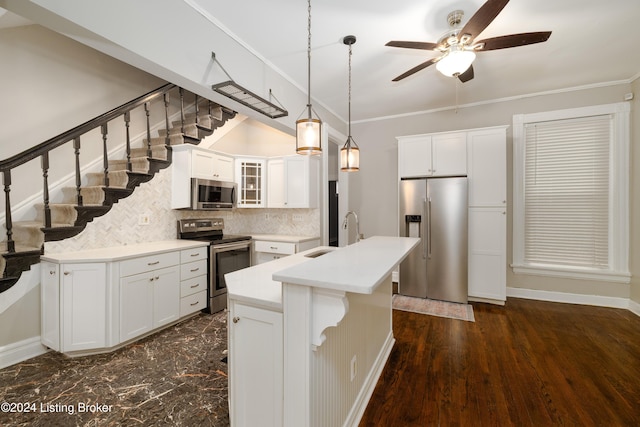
x,y
530,363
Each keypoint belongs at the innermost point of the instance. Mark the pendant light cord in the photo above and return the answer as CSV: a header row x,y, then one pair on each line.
x,y
350,53
309,58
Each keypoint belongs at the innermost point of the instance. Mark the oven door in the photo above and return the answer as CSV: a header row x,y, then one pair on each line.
x,y
225,258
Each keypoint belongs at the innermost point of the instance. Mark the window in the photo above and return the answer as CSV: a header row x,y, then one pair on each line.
x,y
571,193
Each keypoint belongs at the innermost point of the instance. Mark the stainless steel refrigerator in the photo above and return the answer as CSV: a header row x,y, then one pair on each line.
x,y
435,210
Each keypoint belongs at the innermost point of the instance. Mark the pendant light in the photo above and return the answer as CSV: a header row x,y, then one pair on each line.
x,y
349,153
309,129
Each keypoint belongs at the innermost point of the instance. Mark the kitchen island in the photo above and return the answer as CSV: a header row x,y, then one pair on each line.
x,y
309,334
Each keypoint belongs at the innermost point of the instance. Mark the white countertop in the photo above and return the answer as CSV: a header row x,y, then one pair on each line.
x,y
288,238
357,268
119,253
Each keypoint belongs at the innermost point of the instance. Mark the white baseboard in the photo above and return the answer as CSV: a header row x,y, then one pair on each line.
x,y
634,307
20,351
596,300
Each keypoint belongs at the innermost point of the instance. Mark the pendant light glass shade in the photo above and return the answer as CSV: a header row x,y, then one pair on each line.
x,y
350,156
309,129
349,153
308,136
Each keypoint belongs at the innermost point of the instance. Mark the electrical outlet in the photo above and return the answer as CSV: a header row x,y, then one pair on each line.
x,y
144,219
297,217
354,367
266,217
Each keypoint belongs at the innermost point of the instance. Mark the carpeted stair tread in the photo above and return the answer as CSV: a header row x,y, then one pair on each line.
x,y
157,152
161,140
61,213
93,195
117,178
138,164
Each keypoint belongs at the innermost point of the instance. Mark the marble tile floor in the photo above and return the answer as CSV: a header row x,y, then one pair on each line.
x,y
175,377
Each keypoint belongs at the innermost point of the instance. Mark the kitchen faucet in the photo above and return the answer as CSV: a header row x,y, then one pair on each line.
x,y
345,223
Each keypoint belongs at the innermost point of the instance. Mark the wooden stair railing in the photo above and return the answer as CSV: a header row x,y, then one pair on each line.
x,y
17,257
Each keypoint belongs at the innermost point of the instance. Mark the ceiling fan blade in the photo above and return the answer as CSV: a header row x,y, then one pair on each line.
x,y
482,18
467,75
412,45
415,69
514,40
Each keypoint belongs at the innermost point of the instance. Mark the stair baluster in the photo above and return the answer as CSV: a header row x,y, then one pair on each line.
x,y
76,150
45,189
147,112
127,119
6,178
105,154
167,139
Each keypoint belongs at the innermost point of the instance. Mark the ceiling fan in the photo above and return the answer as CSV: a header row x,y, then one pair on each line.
x,y
458,45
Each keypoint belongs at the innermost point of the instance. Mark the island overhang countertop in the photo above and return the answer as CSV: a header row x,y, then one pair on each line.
x,y
357,268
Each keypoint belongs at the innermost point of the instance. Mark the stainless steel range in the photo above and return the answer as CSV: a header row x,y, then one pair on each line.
x,y
227,253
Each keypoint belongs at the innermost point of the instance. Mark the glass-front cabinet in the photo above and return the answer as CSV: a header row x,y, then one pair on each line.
x,y
250,176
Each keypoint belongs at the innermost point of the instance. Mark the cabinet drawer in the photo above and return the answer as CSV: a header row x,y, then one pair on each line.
x,y
193,285
152,262
193,303
195,254
193,269
262,257
275,247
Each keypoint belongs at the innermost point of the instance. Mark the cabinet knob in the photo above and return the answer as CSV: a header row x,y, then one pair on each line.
x,y
66,273
52,272
236,319
504,213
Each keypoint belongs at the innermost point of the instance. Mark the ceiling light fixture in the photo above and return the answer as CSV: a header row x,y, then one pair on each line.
x,y
455,61
350,153
309,129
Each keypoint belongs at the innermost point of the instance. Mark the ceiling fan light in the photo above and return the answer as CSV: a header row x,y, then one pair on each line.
x,y
455,62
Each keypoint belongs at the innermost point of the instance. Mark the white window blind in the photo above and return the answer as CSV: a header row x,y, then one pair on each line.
x,y
566,192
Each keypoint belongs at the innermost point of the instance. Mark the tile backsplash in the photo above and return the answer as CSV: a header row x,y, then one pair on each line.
x,y
120,226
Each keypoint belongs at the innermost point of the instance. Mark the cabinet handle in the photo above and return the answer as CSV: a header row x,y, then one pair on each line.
x,y
195,269
236,319
273,247
195,303
151,279
196,254
52,272
195,286
153,263
66,273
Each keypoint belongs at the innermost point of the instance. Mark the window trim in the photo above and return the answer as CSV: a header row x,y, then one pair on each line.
x,y
618,203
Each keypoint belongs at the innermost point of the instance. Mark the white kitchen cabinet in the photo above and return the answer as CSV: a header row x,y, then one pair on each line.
x,y
149,293
256,389
488,253
443,154
267,249
96,300
74,304
293,182
487,161
190,161
252,182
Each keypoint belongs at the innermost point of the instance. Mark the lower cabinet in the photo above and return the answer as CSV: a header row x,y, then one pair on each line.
x,y
488,254
74,305
256,388
268,250
88,307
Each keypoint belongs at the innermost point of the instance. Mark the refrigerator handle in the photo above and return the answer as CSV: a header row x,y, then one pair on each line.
x,y
429,228
424,234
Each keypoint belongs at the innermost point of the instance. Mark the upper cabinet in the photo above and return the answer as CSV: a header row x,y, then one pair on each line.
x,y
210,165
432,155
251,180
487,155
293,181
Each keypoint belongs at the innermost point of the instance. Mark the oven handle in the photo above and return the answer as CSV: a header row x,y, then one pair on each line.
x,y
224,247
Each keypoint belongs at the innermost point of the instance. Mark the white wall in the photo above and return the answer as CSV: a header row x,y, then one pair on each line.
x,y
374,189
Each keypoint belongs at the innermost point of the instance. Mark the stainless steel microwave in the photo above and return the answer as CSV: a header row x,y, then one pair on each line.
x,y
212,195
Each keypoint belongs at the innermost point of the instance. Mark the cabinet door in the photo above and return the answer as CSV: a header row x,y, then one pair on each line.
x,y
487,157
202,165
84,306
297,182
414,156
50,305
166,296
449,154
250,177
275,186
222,167
488,253
136,305
255,366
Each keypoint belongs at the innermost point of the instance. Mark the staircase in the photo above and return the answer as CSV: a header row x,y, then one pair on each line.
x,y
118,178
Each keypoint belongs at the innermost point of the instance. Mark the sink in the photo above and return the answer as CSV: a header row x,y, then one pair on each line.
x,y
319,252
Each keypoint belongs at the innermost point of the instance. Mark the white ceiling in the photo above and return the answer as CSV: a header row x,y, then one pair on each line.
x,y
594,42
